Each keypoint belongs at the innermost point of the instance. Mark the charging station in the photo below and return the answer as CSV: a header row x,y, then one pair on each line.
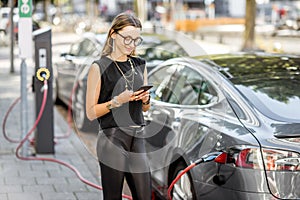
x,y
44,135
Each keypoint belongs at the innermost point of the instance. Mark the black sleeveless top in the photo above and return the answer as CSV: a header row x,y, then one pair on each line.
x,y
113,83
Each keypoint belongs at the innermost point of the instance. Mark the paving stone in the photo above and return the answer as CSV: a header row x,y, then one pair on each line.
x,y
3,197
10,189
74,187
25,196
59,196
20,181
89,195
40,173
39,188
44,181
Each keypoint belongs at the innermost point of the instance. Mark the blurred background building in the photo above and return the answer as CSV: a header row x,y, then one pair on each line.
x,y
184,8
181,15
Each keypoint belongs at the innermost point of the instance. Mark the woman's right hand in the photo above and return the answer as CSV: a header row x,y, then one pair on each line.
x,y
125,96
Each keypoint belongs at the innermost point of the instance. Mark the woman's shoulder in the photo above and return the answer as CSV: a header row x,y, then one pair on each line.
x,y
103,61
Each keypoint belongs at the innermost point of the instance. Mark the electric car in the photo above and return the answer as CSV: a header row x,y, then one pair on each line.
x,y
244,104
71,68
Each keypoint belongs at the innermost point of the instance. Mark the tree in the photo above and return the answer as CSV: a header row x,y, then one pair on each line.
x,y
249,34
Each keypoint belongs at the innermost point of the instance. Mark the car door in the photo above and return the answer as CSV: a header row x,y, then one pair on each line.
x,y
161,116
179,91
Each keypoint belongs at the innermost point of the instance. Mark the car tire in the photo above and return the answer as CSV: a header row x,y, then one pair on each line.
x,y
183,188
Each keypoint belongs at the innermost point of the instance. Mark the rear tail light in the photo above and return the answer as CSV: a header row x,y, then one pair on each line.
x,y
274,160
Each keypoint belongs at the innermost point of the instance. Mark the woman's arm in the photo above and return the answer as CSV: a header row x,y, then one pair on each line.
x,y
93,109
146,98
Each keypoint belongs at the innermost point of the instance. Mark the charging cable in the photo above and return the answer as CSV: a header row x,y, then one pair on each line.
x,y
214,156
44,77
42,74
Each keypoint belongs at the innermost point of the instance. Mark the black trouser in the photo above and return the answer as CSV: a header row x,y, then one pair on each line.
x,y
121,154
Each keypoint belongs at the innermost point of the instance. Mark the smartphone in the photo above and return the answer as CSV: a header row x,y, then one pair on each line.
x,y
145,87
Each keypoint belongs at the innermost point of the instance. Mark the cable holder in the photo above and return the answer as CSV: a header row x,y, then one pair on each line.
x,y
43,74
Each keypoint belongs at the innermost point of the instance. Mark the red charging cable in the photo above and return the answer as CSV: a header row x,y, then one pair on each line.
x,y
10,109
218,157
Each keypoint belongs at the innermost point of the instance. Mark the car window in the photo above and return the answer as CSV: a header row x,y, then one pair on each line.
x,y
83,48
190,88
178,84
87,48
162,51
74,50
160,80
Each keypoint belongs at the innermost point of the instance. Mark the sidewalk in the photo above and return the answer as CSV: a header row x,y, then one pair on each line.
x,y
40,180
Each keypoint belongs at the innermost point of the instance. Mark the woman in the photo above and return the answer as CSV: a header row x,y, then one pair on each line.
x,y
114,100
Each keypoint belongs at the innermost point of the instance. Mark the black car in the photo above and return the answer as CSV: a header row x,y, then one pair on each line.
x,y
244,104
71,68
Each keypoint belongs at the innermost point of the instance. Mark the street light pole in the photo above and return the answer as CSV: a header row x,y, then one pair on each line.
x,y
12,41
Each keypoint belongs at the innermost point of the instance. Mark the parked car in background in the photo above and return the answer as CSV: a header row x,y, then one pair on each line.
x,y
247,105
72,65
71,68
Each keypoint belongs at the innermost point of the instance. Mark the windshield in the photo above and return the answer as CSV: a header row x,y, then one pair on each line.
x,y
277,98
270,83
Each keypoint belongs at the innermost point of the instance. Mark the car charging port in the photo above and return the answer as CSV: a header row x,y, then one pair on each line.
x,y
218,157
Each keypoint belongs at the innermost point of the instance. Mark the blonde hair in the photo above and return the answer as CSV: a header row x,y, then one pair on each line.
x,y
120,21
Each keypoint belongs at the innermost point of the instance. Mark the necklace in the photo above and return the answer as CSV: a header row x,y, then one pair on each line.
x,y
128,82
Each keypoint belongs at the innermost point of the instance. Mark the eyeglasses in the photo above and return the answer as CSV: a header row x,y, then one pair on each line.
x,y
128,40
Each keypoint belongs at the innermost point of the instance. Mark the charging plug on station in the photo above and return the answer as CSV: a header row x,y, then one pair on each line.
x,y
43,74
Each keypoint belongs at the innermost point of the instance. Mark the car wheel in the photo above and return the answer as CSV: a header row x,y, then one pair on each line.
x,y
183,188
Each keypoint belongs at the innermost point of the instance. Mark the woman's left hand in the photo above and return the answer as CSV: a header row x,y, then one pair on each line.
x,y
141,95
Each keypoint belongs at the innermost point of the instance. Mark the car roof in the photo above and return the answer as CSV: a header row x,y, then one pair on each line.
x,y
191,47
240,65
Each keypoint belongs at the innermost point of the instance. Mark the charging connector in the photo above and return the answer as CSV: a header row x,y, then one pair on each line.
x,y
214,156
43,74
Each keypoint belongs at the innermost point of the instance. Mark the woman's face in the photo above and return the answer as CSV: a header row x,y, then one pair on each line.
x,y
126,39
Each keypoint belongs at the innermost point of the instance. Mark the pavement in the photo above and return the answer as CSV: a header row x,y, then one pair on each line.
x,y
43,180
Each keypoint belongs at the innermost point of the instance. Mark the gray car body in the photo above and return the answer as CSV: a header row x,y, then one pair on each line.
x,y
187,132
